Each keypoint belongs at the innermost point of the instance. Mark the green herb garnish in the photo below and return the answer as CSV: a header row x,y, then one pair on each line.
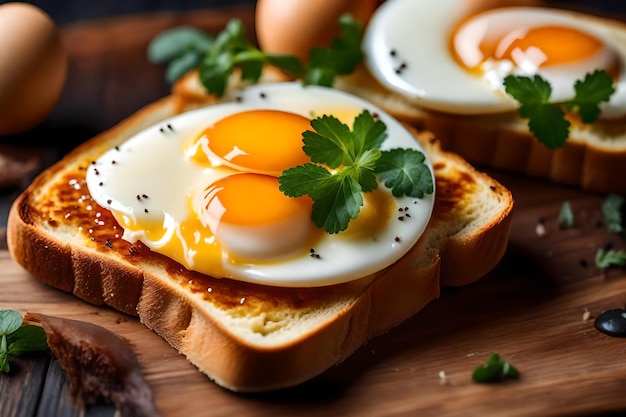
x,y
495,370
608,258
346,163
612,213
17,339
566,216
547,120
216,57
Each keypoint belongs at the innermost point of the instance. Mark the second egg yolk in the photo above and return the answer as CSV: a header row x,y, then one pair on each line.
x,y
264,141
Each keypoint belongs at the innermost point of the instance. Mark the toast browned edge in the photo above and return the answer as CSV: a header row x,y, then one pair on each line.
x,y
504,141
163,302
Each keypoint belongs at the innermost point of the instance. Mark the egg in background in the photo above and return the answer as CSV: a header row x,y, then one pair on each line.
x,y
33,67
446,55
293,27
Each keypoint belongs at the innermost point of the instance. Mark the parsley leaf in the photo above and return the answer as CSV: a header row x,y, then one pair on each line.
x,y
404,172
357,165
607,258
16,339
596,88
340,59
566,216
547,120
217,57
612,212
496,369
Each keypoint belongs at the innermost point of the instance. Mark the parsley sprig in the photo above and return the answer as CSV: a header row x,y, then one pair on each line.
x,y
185,48
547,120
346,163
17,339
494,370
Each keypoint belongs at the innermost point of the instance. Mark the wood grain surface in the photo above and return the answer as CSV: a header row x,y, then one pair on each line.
x,y
529,309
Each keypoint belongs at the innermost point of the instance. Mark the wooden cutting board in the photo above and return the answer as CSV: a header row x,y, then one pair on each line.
x,y
529,309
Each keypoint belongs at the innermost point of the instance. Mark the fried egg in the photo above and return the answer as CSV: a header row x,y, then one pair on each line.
x,y
201,188
446,56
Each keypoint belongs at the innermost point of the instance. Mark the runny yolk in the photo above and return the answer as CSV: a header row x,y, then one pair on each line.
x,y
252,200
557,44
474,43
267,141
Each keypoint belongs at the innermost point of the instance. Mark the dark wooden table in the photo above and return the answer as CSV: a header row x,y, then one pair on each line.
x,y
529,309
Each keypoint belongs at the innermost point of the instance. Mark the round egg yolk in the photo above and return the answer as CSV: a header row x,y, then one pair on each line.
x,y
253,219
528,48
262,141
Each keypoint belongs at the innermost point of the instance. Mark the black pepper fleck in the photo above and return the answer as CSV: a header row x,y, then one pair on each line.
x,y
263,95
401,218
108,243
393,52
397,239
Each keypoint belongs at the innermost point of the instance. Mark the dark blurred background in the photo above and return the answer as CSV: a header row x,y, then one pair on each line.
x,y
67,11
64,12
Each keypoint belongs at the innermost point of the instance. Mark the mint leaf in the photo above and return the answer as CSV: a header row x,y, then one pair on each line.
x,y
4,354
609,258
404,171
10,321
27,339
594,89
612,212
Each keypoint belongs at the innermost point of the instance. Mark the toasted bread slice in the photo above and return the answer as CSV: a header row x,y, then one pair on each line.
x,y
249,337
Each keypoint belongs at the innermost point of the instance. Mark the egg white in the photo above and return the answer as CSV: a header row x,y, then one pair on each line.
x,y
147,178
423,69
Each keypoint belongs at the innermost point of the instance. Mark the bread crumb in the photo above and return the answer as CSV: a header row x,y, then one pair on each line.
x,y
586,315
443,380
540,229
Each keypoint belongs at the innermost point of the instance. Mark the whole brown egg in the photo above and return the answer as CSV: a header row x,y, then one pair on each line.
x,y
294,26
33,67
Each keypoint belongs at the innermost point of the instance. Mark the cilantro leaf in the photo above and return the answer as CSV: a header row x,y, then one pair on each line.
x,y
594,89
357,166
404,172
496,369
303,179
369,133
217,57
545,120
4,355
176,42
328,144
607,258
612,212
527,90
566,216
338,202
